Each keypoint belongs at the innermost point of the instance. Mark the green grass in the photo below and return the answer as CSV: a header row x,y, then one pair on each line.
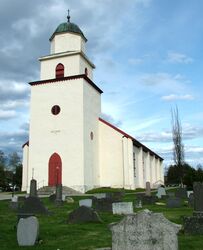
x,y
113,190
55,233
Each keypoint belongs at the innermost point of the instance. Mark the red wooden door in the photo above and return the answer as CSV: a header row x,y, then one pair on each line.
x,y
55,170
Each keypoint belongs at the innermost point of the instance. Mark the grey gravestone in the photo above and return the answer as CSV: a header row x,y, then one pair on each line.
x,y
181,193
173,202
27,231
85,202
194,224
188,193
83,214
63,197
33,205
160,192
14,198
59,191
122,208
115,196
148,200
148,189
138,204
144,231
33,188
103,205
13,205
191,200
100,195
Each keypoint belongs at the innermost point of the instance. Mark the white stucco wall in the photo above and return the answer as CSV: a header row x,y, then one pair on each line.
x,y
74,64
115,158
67,42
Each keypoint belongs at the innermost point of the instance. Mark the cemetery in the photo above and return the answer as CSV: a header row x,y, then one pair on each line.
x,y
105,220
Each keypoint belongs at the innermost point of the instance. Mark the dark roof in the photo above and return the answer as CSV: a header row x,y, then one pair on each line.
x,y
26,143
68,27
54,80
135,142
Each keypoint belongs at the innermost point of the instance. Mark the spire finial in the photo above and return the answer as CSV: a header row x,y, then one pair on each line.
x,y
68,16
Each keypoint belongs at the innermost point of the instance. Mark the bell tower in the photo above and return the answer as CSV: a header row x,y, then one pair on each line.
x,y
65,106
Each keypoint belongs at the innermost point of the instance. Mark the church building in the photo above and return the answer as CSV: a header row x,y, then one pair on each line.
x,y
69,143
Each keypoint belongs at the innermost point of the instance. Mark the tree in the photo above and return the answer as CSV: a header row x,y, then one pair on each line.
x,y
15,167
2,169
178,147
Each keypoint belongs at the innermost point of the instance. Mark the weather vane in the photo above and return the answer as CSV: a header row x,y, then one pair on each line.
x,y
68,16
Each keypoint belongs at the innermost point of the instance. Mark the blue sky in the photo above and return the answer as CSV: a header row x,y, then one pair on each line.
x,y
148,57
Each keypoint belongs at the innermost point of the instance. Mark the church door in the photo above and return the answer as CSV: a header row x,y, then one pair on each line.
x,y
55,169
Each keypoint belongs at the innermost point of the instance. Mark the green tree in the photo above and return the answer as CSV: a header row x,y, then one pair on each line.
x,y
15,167
2,169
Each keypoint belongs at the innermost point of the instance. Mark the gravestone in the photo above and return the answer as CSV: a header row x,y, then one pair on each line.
x,y
13,204
115,196
191,200
194,224
160,192
122,208
59,191
173,202
83,214
85,202
63,197
181,193
27,231
103,204
138,204
33,188
100,195
148,189
33,205
69,200
144,231
14,198
52,197
148,200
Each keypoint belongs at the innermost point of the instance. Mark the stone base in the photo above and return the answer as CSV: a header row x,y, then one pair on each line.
x,y
193,225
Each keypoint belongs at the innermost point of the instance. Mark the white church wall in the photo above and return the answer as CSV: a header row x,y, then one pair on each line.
x,y
116,170
92,110
25,168
62,133
67,42
83,65
71,64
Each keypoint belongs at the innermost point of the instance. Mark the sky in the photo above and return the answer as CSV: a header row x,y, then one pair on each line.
x,y
148,57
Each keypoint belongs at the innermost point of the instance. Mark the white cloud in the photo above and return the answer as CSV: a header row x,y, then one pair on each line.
x,y
173,97
174,57
5,115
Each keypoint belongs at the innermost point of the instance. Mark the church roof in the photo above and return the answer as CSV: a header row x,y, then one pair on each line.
x,y
68,27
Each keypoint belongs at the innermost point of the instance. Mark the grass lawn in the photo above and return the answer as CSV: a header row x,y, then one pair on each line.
x,y
55,233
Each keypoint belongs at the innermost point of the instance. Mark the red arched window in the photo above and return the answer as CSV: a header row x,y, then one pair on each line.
x,y
86,71
59,70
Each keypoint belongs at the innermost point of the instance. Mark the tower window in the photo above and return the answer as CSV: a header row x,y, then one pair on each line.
x,y
86,71
91,135
55,110
59,70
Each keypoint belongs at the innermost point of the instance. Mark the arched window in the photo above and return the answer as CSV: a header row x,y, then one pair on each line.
x,y
86,71
59,70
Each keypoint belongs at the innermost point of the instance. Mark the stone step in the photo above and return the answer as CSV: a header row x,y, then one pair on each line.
x,y
47,190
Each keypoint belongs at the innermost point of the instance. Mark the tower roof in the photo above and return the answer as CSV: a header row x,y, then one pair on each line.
x,y
68,27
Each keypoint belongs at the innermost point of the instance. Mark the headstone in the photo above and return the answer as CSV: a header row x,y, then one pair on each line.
x,y
194,224
115,196
33,205
148,189
138,204
191,200
52,197
122,208
13,205
103,204
148,200
181,193
69,200
198,198
85,202
83,214
100,195
144,231
14,198
27,231
59,191
160,192
33,188
173,202
63,197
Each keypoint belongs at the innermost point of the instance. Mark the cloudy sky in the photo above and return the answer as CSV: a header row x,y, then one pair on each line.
x,y
148,57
